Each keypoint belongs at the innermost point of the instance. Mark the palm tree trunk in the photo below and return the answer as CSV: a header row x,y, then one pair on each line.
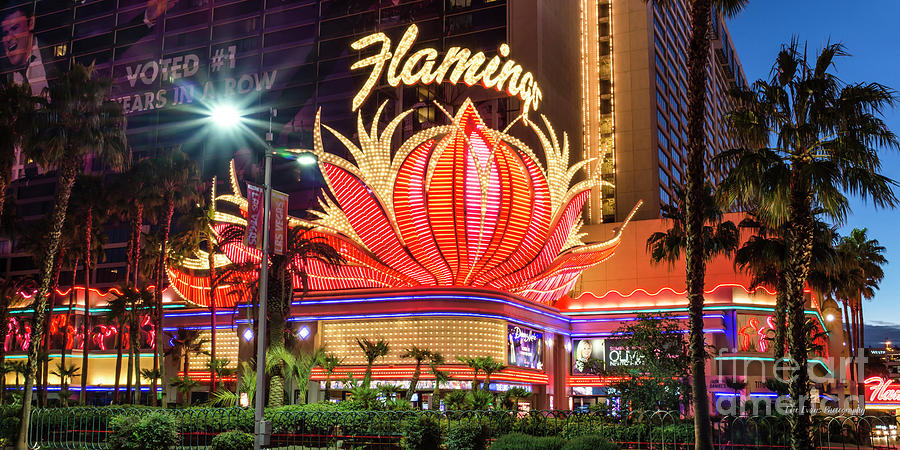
x,y
65,342
799,251
120,336
130,367
414,381
848,333
158,362
780,318
860,324
135,334
68,171
694,251
4,183
82,396
45,364
436,395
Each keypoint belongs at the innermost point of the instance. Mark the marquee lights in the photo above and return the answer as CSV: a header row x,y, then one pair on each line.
x,y
455,205
419,67
881,390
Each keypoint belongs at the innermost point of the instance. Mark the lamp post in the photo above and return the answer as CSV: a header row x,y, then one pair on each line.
x,y
263,429
227,116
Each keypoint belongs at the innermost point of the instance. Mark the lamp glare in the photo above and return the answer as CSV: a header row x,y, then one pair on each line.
x,y
306,159
225,116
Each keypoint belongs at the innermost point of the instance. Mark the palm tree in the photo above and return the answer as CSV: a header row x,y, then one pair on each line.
x,y
764,256
16,115
220,366
512,396
201,234
136,197
153,376
5,369
184,344
418,354
863,259
439,377
9,292
695,207
720,237
77,120
138,300
329,362
716,237
118,314
185,385
178,181
476,365
89,203
490,366
814,140
372,351
65,374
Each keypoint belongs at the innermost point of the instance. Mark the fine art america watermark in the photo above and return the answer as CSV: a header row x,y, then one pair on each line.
x,y
785,371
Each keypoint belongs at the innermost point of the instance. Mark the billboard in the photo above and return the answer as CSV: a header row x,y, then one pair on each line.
x,y
614,353
172,61
525,347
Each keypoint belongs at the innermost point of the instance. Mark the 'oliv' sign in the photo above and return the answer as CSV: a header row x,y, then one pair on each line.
x,y
420,67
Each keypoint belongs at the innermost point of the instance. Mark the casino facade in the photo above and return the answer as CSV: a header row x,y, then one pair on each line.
x,y
490,170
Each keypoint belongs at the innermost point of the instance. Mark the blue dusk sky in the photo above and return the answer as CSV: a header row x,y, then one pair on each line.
x,y
870,31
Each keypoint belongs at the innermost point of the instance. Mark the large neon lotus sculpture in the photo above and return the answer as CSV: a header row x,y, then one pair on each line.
x,y
454,205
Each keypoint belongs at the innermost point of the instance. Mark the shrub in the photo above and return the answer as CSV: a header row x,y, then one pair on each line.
x,y
467,435
9,423
421,432
590,442
538,425
519,441
153,431
233,440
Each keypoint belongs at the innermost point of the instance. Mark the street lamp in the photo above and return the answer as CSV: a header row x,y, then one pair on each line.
x,y
227,116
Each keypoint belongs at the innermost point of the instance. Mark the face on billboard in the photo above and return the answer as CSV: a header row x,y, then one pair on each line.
x,y
17,30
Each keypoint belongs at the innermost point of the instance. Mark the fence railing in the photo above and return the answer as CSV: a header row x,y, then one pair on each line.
x,y
89,428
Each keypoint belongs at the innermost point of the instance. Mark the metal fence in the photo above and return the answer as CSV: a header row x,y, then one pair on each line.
x,y
89,428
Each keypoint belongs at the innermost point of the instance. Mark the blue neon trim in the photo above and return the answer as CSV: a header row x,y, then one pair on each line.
x,y
423,314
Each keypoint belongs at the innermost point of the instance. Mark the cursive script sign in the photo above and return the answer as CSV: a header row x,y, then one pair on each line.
x,y
420,67
882,390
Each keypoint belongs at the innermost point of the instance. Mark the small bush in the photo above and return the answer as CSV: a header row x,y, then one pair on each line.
x,y
153,431
9,423
421,432
590,442
467,435
233,440
519,441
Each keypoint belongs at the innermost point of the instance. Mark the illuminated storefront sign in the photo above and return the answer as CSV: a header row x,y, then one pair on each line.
x,y
68,333
420,67
756,333
525,347
881,390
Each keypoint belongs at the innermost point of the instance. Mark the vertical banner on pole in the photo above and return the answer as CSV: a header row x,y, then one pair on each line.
x,y
254,216
278,225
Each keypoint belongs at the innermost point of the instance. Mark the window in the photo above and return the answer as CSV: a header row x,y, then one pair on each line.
x,y
663,177
663,158
663,141
660,82
661,120
663,196
660,101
